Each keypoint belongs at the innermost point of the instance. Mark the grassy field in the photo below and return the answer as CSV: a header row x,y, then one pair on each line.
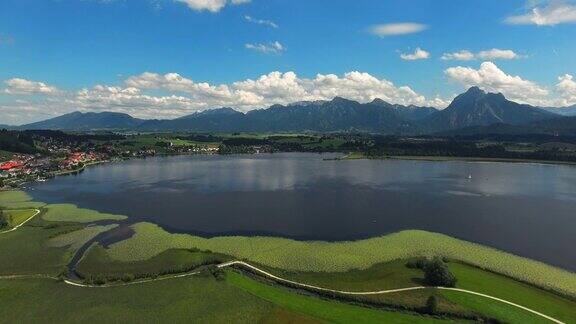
x,y
502,287
382,276
76,239
191,300
97,262
25,251
343,256
71,213
395,274
330,311
18,216
493,309
16,199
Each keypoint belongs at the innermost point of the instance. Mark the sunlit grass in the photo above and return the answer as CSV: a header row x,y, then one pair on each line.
x,y
19,216
150,240
71,213
16,199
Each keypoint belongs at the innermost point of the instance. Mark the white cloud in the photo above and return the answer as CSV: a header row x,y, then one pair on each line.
x,y
492,54
566,87
554,12
270,48
210,5
463,55
142,95
490,78
281,88
419,54
397,29
27,87
495,54
264,22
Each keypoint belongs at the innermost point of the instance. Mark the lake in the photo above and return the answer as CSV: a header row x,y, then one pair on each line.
x,y
526,209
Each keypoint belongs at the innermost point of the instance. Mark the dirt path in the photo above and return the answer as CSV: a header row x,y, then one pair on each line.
x,y
37,211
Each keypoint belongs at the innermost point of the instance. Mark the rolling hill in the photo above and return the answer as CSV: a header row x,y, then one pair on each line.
x,y
87,121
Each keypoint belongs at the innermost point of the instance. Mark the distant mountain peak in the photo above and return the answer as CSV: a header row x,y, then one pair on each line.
x,y
341,100
475,90
380,102
476,107
306,103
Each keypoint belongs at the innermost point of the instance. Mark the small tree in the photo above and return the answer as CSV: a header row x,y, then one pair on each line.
x,y
432,305
436,273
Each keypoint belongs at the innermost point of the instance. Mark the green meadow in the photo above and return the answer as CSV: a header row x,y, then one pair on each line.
x,y
16,217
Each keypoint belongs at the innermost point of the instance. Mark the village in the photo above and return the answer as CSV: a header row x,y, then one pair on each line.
x,y
59,154
26,167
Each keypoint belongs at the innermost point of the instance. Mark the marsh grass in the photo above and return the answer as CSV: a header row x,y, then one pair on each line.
x,y
16,199
343,256
71,213
76,239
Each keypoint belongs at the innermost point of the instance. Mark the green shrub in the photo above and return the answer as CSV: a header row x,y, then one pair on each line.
x,y
436,273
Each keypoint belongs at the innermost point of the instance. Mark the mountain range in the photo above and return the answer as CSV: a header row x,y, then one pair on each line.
x,y
565,111
472,110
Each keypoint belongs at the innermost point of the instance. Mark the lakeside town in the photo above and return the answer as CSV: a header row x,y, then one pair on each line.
x,y
50,154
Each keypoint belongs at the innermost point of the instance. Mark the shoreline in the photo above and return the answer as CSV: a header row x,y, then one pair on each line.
x,y
455,159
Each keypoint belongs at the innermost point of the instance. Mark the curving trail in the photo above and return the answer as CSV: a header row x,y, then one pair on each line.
x,y
297,284
381,292
275,278
37,211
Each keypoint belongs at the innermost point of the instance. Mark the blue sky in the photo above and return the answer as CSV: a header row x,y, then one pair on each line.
x,y
57,56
